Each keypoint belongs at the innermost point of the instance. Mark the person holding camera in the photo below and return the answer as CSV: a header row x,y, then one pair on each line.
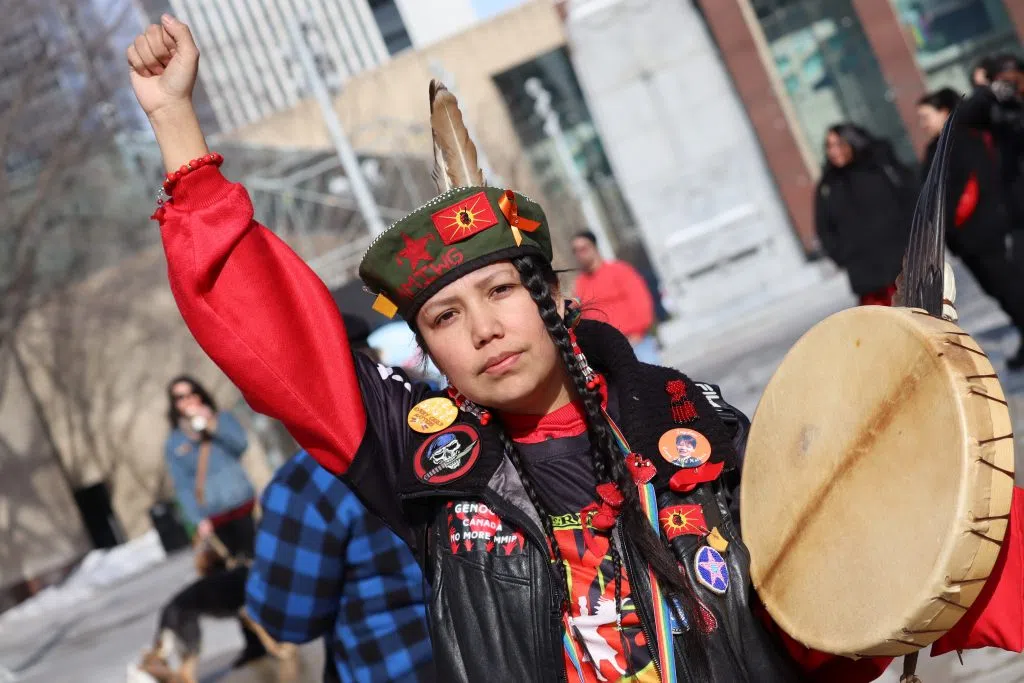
x,y
978,215
203,453
997,108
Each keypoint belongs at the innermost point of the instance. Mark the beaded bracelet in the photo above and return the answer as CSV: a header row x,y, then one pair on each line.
x,y
213,158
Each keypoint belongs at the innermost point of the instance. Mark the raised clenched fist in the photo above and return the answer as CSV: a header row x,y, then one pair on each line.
x,y
164,61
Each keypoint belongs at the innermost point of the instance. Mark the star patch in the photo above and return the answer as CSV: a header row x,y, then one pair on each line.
x,y
414,252
711,569
464,219
447,456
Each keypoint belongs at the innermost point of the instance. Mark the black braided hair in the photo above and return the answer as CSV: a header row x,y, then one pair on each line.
x,y
609,466
512,453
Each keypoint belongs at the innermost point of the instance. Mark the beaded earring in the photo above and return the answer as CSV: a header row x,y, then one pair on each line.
x,y
465,405
572,319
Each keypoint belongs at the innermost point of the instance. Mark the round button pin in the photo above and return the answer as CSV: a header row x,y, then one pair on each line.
x,y
684,447
432,415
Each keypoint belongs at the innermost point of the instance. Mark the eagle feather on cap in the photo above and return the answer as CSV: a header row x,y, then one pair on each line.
x,y
455,158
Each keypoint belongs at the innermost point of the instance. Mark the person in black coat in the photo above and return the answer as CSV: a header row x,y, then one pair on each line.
x,y
979,221
863,206
997,108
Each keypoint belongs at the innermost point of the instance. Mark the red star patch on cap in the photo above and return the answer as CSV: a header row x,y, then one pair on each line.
x,y
464,219
415,251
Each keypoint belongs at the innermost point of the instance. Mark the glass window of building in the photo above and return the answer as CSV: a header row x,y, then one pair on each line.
x,y
555,72
392,28
950,36
829,70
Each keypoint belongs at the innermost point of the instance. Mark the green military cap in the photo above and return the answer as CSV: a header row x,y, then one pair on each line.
x,y
457,232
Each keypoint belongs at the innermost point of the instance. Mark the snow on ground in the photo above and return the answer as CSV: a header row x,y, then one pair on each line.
x,y
99,569
94,640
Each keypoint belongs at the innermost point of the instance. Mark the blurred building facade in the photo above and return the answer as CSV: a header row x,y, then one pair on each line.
x,y
675,173
801,65
698,126
251,69
688,161
384,110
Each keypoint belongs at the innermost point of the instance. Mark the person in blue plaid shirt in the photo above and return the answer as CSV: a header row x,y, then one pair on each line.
x,y
326,567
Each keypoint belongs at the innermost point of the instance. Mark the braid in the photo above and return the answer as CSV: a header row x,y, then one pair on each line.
x,y
512,453
693,646
609,466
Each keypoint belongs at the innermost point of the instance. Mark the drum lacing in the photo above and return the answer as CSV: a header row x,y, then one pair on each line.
x,y
982,442
904,642
995,467
991,398
968,348
987,538
933,630
961,582
950,602
989,519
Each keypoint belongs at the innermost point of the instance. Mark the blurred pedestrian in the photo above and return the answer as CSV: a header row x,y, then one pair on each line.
x,y
863,207
203,455
981,73
979,219
346,578
612,291
997,108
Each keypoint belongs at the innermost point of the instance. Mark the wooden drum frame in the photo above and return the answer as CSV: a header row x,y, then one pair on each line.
x,y
877,482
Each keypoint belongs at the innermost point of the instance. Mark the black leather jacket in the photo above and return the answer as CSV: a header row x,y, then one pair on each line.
x,y
495,616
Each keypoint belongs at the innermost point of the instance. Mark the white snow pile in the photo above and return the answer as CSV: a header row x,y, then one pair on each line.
x,y
99,569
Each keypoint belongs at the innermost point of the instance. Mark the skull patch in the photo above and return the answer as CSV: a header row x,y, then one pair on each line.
x,y
448,455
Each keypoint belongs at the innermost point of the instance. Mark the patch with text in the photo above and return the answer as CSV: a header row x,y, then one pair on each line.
x,y
473,526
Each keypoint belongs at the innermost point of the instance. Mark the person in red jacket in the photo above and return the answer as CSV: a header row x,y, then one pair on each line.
x,y
558,540
614,292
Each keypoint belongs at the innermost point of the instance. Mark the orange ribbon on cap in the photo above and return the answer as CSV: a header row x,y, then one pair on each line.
x,y
385,306
510,210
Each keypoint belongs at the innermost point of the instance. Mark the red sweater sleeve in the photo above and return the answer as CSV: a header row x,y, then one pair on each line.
x,y
263,316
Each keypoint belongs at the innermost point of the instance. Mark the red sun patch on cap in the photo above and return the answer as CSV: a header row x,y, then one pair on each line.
x,y
465,218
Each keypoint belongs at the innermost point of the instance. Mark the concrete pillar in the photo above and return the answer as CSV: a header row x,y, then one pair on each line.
x,y
687,159
1015,8
745,55
897,61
